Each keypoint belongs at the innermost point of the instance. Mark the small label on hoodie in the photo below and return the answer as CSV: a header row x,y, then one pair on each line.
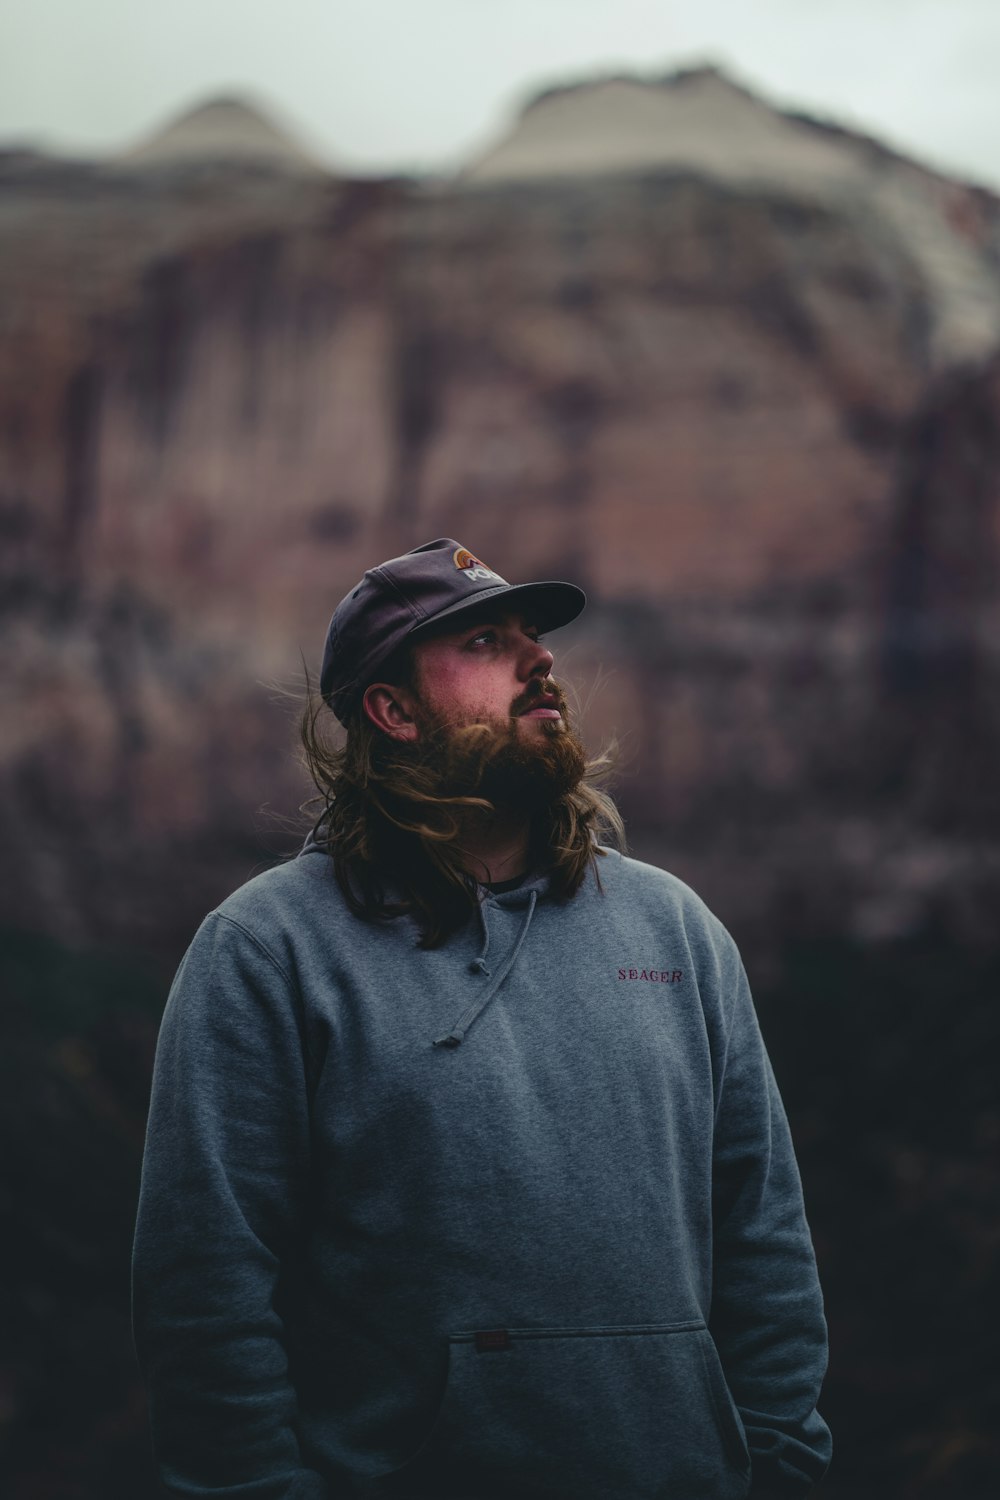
x,y
492,1341
653,976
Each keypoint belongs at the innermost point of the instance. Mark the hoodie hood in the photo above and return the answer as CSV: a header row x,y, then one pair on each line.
x,y
486,981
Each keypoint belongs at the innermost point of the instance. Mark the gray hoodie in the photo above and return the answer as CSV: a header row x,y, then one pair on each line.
x,y
518,1214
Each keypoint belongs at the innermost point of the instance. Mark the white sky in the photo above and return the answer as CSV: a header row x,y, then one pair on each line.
x,y
383,85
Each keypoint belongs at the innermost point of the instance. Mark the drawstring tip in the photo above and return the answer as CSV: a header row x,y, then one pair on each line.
x,y
453,1039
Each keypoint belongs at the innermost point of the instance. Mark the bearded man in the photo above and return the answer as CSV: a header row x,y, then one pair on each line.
x,y
466,1174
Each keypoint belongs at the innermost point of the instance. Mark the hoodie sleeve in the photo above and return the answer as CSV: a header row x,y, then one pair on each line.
x,y
220,1209
767,1309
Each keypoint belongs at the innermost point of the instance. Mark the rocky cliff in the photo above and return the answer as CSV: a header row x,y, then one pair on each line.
x,y
733,370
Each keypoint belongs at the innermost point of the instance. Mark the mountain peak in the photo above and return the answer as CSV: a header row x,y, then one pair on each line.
x,y
698,119
228,128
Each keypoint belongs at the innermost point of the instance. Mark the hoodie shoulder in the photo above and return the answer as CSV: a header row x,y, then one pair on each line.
x,y
284,898
651,890
649,882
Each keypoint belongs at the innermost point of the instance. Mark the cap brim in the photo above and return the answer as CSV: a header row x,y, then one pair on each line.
x,y
551,604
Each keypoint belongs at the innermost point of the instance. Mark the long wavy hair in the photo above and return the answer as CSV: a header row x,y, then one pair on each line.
x,y
393,828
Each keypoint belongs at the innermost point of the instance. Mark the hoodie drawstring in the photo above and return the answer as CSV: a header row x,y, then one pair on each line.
x,y
478,965
456,1035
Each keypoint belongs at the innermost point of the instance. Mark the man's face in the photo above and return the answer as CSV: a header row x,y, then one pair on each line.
x,y
480,713
488,717
494,671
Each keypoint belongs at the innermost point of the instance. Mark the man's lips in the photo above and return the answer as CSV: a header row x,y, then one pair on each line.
x,y
539,702
542,706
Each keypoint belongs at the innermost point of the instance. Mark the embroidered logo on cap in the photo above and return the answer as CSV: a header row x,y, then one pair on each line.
x,y
472,567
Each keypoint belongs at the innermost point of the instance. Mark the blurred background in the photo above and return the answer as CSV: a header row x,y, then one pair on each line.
x,y
703,314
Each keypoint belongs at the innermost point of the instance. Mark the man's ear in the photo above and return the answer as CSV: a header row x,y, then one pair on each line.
x,y
391,710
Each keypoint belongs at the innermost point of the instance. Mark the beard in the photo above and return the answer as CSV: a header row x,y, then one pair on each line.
x,y
495,762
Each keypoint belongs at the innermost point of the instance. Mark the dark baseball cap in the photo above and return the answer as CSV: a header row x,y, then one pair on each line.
x,y
406,597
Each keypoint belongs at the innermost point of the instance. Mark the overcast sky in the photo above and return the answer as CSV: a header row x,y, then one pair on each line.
x,y
377,85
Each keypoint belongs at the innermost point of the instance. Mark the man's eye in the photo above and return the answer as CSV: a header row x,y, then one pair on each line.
x,y
484,636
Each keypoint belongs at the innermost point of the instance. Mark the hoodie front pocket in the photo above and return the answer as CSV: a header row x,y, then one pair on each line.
x,y
639,1413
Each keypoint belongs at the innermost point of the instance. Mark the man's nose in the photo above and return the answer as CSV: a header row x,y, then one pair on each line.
x,y
536,660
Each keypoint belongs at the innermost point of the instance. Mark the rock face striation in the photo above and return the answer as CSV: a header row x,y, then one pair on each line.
x,y
735,371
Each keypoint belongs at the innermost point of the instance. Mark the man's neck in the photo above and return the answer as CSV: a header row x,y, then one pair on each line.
x,y
495,851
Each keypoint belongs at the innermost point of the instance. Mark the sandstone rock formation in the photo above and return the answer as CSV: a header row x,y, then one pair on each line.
x,y
701,121
228,130
721,377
